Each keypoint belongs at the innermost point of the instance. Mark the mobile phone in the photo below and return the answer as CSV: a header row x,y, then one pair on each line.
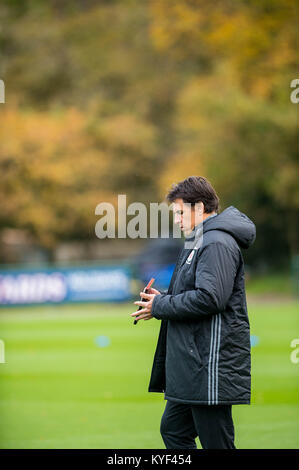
x,y
145,290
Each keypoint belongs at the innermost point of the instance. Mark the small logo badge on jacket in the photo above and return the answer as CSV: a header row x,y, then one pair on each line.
x,y
189,259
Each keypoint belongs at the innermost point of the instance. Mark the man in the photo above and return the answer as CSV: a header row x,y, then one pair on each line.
x,y
202,360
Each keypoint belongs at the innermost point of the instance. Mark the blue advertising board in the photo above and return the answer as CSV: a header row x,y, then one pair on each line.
x,y
86,284
161,273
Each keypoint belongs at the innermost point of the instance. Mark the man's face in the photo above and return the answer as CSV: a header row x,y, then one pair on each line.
x,y
185,216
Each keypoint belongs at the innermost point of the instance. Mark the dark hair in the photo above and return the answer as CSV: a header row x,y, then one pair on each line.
x,y
195,189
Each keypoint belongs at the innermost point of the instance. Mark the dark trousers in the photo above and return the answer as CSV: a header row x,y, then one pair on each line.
x,y
213,424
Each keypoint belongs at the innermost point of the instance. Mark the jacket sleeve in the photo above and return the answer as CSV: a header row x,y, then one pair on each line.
x,y
214,281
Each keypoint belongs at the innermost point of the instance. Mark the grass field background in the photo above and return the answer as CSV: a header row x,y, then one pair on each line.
x,y
60,389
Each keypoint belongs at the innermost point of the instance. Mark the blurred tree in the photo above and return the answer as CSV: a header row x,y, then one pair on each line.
x,y
233,138
51,174
235,112
258,38
127,97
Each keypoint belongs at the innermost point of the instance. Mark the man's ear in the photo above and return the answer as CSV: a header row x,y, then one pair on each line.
x,y
199,208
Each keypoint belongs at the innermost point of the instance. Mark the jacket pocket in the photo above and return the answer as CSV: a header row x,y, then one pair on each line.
x,y
194,344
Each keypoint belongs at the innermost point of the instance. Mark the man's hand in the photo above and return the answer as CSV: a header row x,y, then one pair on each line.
x,y
145,312
153,291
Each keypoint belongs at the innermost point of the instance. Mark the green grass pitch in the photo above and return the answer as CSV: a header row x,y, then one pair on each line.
x,y
59,389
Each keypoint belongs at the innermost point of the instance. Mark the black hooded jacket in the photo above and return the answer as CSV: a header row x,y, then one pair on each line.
x,y
203,350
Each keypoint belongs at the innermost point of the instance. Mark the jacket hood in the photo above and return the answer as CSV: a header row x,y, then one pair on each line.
x,y
234,222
